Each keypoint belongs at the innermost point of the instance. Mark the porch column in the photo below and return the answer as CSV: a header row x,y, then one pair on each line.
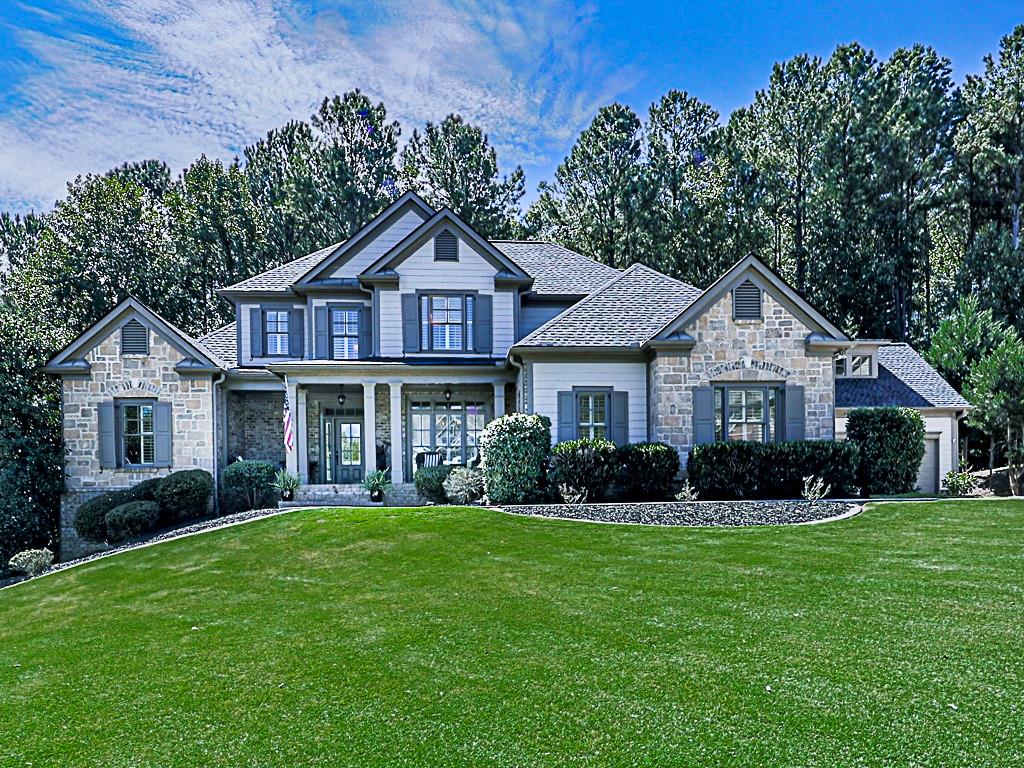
x,y
369,428
397,454
301,435
291,457
499,399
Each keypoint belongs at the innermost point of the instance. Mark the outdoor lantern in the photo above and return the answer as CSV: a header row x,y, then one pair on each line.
x,y
448,395
341,399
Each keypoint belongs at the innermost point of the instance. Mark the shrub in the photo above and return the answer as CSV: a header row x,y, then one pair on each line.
x,y
131,519
960,483
23,525
184,495
647,471
144,491
430,482
687,492
464,485
587,466
248,485
31,562
744,470
815,488
891,442
91,517
515,452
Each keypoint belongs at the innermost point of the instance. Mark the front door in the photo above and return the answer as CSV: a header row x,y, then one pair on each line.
x,y
343,449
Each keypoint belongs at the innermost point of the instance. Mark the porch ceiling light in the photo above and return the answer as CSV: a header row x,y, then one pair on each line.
x,y
448,395
341,399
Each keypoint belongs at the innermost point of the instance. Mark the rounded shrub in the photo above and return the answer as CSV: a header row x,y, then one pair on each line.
x,y
647,471
891,443
587,467
515,452
131,519
464,485
248,484
91,516
144,491
184,495
430,482
23,525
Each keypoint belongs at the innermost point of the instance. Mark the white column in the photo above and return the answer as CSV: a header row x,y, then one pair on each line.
x,y
369,428
291,457
499,399
301,435
397,454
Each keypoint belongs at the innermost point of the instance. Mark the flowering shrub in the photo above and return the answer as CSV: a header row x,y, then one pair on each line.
x,y
31,562
515,452
464,485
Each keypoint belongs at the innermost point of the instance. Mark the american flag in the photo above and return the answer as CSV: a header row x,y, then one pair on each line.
x,y
289,433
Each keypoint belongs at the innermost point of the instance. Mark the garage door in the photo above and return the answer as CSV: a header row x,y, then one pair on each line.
x,y
928,475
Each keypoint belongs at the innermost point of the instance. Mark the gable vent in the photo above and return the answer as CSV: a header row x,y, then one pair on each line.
x,y
134,338
746,301
446,247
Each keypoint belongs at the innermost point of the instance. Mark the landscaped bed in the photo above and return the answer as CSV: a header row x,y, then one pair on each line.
x,y
694,513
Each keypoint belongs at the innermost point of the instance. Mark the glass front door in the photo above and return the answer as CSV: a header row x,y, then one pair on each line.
x,y
343,450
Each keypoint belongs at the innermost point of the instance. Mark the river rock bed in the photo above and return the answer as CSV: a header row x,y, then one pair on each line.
x,y
715,513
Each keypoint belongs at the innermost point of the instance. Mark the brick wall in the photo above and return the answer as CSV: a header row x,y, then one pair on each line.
x,y
255,426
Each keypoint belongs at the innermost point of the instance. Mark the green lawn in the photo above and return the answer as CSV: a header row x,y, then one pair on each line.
x,y
459,637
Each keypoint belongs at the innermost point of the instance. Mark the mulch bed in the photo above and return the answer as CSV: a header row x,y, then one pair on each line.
x,y
715,513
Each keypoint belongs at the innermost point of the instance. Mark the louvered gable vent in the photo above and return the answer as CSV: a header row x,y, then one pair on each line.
x,y
446,247
746,301
134,338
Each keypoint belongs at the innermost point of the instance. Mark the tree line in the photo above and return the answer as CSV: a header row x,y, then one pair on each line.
x,y
881,189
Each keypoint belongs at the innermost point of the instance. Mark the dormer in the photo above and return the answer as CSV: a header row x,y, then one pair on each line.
x,y
860,361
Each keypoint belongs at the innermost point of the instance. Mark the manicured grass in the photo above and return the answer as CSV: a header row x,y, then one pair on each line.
x,y
464,637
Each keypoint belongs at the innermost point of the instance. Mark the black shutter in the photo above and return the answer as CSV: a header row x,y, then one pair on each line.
x,y
134,338
256,332
410,323
619,418
296,337
108,435
320,334
483,323
566,416
365,332
703,415
162,433
795,429
746,301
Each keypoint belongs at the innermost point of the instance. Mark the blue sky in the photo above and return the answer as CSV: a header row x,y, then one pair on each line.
x,y
89,85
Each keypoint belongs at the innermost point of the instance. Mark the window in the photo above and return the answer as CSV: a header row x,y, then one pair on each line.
x,y
446,322
446,247
134,338
860,365
841,365
452,429
746,413
345,333
591,415
138,438
746,301
275,330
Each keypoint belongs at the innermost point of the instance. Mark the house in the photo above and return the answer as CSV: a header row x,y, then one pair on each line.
x,y
409,337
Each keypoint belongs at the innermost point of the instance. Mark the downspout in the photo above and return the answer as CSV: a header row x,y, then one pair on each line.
x,y
521,377
217,381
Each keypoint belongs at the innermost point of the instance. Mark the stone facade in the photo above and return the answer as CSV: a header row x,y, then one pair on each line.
x,y
114,377
255,426
768,350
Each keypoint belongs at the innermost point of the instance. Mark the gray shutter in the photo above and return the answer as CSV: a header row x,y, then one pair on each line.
x,y
703,415
795,413
566,416
296,338
320,337
162,432
410,323
256,332
619,418
365,332
108,435
483,323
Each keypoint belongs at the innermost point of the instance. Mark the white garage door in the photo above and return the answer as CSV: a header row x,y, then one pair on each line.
x,y
928,475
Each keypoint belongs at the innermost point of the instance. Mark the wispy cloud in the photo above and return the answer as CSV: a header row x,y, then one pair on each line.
x,y
116,80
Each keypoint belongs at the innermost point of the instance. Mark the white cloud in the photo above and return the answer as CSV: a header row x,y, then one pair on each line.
x,y
183,77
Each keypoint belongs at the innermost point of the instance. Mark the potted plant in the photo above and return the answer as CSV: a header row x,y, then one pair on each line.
x,y
286,483
377,483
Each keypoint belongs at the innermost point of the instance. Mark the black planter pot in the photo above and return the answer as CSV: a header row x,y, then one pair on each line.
x,y
376,496
287,495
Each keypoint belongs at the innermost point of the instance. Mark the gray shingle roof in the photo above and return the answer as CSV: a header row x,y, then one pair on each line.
x,y
904,378
222,344
626,312
556,270
281,278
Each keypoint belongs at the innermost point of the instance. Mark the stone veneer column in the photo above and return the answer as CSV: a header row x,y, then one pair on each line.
x,y
397,455
369,428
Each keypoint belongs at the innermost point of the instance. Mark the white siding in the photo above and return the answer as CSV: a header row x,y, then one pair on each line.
x,y
548,379
942,425
420,272
245,346
383,241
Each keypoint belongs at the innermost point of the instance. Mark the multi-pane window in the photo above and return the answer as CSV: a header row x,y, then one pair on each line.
x,y
137,434
345,334
275,329
446,322
841,365
591,415
451,429
860,365
746,413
